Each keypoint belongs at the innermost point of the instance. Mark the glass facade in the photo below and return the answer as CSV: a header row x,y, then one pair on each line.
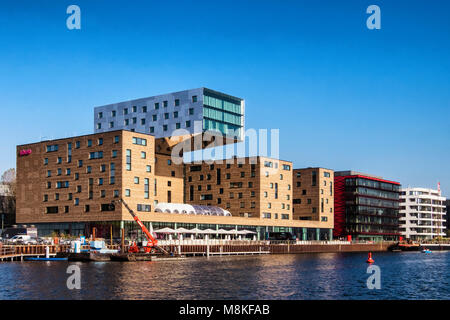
x,y
222,114
371,209
133,231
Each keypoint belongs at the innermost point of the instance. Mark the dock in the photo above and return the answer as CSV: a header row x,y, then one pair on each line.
x,y
17,253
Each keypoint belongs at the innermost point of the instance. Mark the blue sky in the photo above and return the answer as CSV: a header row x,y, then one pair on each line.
x,y
343,97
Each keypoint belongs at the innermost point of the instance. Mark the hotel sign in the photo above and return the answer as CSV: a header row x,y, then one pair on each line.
x,y
24,152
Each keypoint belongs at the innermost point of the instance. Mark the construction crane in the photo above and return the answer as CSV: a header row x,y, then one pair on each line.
x,y
152,243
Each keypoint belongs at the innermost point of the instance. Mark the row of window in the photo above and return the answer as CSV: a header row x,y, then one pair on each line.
x,y
150,129
165,104
55,147
268,215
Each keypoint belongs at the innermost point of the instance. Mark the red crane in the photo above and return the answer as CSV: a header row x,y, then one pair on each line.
x,y
152,243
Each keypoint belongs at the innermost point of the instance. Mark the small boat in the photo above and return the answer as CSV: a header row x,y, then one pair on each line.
x,y
426,251
44,259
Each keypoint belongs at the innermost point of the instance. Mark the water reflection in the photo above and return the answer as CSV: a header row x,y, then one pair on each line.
x,y
303,276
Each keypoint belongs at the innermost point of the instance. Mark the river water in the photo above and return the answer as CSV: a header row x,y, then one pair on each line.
x,y
409,275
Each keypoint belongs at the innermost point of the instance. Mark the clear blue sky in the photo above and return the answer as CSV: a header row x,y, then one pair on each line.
x,y
343,96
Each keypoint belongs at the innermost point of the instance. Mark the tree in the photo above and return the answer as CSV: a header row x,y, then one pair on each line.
x,y
8,203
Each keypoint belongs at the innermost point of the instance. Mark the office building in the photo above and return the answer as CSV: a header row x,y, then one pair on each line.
x,y
366,207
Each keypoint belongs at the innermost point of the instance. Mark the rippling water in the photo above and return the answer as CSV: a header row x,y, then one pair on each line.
x,y
411,275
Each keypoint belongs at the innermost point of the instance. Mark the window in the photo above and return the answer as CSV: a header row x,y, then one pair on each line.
x,y
100,115
188,124
128,159
166,116
154,117
77,176
51,210
116,139
125,111
194,98
113,113
165,127
49,173
127,192
77,144
177,125
52,148
45,197
114,154
136,180
88,169
111,124
144,207
102,193
324,219
191,111
77,201
59,171
126,122
267,215
140,141
313,178
149,168
116,193
100,141
87,208
59,160
143,155
100,181
326,174
165,103
156,105
144,109
96,155
134,120
175,114
45,161
177,102
142,122
152,129
112,173
89,143
147,188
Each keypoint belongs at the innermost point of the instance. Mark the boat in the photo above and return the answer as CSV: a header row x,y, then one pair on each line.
x,y
426,251
44,259
405,246
89,256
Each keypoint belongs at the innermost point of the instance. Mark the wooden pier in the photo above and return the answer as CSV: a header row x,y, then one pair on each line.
x,y
18,252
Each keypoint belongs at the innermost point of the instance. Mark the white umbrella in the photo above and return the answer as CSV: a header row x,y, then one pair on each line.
x,y
182,230
196,230
210,231
248,231
165,230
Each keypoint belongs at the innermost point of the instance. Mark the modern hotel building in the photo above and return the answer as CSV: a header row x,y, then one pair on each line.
x,y
366,207
67,185
422,213
190,111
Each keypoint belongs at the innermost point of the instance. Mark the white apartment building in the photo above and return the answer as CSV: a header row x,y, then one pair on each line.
x,y
422,213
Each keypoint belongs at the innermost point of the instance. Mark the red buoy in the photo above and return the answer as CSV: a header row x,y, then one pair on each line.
x,y
369,259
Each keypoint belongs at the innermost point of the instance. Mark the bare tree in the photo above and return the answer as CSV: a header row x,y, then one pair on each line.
x,y
8,179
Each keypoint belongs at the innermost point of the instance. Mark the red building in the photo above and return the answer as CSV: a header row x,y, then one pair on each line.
x,y
365,207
